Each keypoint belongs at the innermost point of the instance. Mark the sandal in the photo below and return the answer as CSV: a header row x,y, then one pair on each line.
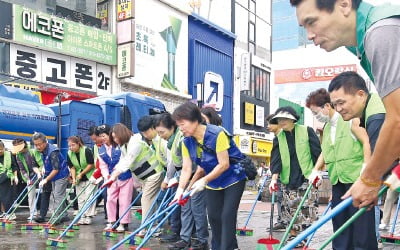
x,y
301,244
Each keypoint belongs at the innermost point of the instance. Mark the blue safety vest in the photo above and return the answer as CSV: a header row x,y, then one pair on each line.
x,y
63,171
113,160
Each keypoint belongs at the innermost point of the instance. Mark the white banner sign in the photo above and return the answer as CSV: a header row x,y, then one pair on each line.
x,y
59,70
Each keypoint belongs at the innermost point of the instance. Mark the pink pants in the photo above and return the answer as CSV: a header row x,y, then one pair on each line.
x,y
119,191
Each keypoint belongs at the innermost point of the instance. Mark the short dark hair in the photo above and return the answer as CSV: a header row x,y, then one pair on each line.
x,y
269,119
18,141
212,115
92,130
145,123
328,5
187,111
318,98
106,129
165,120
289,110
350,81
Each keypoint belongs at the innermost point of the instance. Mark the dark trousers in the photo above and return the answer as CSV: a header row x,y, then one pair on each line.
x,y
360,235
222,206
175,218
6,197
44,203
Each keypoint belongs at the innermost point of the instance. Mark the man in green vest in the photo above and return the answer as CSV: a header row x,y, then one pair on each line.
x,y
343,155
294,152
361,27
30,164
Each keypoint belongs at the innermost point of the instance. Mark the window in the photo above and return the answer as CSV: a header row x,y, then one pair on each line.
x,y
259,84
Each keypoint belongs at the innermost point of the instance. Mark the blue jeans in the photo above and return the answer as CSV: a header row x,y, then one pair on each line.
x,y
193,213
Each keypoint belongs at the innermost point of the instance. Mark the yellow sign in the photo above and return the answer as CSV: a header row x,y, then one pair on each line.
x,y
249,113
124,9
261,147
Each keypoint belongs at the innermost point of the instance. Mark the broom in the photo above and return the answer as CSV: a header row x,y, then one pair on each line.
x,y
267,243
245,231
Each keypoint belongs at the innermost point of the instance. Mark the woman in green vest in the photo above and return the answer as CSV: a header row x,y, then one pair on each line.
x,y
8,177
81,164
294,152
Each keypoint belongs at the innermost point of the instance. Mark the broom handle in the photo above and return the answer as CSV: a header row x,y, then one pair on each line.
x,y
159,208
351,220
68,206
295,216
143,225
146,217
271,218
83,210
62,202
255,202
16,200
395,217
35,204
312,235
148,236
127,209
26,194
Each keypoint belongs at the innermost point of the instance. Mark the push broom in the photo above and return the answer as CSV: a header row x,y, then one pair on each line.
x,y
267,243
59,242
244,231
112,232
391,238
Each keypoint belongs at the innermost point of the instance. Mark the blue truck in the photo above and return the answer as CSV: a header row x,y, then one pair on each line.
x,y
22,114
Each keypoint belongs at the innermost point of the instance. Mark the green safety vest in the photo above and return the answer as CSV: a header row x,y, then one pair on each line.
x,y
160,151
367,15
302,151
82,163
344,158
36,155
5,167
374,106
146,154
176,148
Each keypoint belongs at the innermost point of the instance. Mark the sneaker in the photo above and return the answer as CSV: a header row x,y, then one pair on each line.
x,y
75,212
169,238
87,221
39,219
30,218
279,226
81,221
179,245
383,226
108,227
198,245
120,228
